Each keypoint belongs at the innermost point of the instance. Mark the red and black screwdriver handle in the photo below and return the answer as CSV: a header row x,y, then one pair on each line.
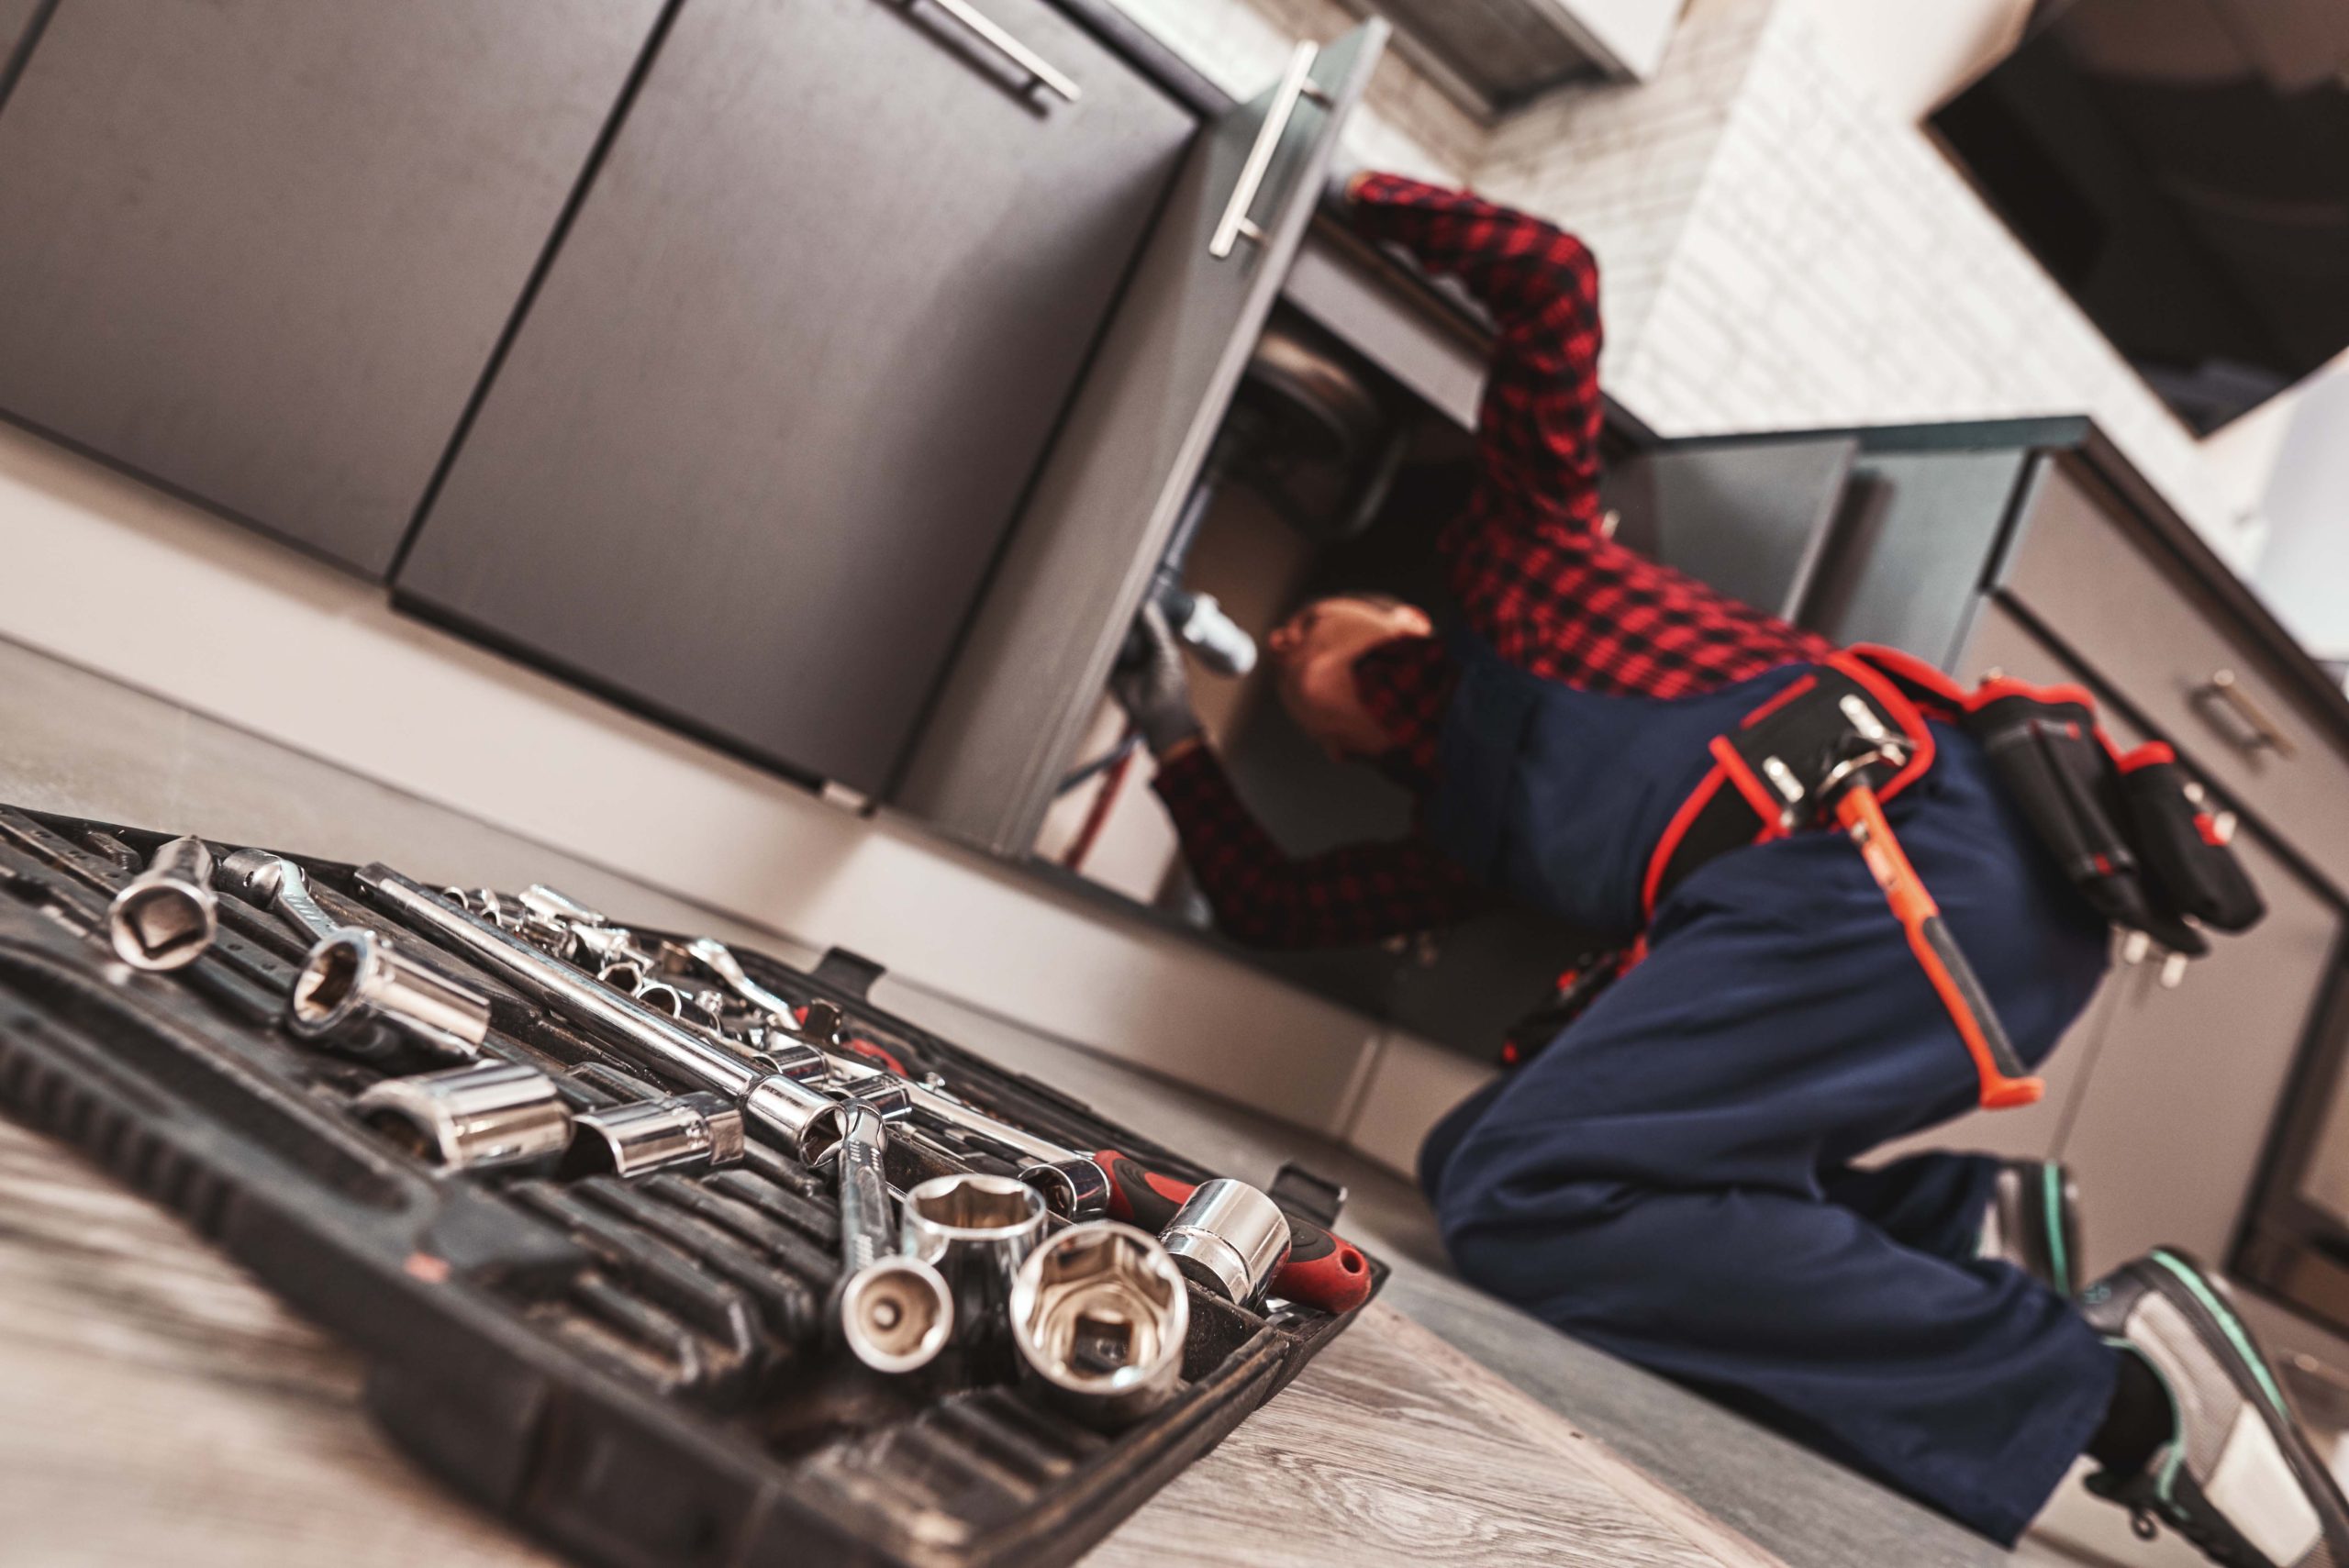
x,y
1323,1270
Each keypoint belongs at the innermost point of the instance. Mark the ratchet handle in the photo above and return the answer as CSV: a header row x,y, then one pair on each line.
x,y
1324,1268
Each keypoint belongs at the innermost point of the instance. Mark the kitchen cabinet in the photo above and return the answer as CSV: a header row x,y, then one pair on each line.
x,y
261,251
1029,676
766,423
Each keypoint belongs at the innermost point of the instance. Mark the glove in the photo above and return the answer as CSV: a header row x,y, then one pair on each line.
x,y
1152,687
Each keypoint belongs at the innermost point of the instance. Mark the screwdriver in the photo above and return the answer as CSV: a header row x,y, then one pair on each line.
x,y
1323,1270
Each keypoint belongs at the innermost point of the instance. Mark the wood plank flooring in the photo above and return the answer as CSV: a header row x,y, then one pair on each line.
x,y
156,1405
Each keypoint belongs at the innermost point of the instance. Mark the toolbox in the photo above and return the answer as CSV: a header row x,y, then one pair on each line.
x,y
634,1370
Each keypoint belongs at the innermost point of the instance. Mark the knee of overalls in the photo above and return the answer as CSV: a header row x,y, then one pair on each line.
x,y
1547,1242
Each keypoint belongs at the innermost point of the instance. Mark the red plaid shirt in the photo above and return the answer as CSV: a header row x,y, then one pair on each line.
x,y
1531,570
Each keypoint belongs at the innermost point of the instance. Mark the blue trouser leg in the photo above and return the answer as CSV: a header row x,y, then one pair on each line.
x,y
1934,1202
1653,1181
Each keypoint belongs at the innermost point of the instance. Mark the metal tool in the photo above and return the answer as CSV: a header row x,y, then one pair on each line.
x,y
1228,1238
777,1103
468,1119
976,1231
355,978
276,883
1322,1268
700,1130
1099,1317
895,1313
166,915
1072,1183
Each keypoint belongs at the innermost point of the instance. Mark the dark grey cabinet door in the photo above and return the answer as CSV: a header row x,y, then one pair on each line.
x,y
770,414
1028,677
261,250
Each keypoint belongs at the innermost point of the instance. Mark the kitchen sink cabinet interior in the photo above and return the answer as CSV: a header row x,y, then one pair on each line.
x,y
765,425
261,250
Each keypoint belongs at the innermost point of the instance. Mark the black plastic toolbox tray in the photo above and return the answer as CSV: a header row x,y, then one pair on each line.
x,y
634,1371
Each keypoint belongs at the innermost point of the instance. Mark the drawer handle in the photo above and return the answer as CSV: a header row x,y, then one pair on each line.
x,y
1297,82
2227,688
1038,71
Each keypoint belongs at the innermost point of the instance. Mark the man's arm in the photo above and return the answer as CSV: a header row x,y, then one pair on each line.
x,y
1538,428
1361,893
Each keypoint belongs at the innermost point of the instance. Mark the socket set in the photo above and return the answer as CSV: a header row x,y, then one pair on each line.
x,y
666,1252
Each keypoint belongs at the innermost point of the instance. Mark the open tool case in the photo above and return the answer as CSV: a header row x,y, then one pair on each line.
x,y
635,1371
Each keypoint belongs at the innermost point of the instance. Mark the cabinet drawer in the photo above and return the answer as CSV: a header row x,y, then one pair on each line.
x,y
2141,631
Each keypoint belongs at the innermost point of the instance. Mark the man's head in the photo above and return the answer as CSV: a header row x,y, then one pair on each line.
x,y
1313,665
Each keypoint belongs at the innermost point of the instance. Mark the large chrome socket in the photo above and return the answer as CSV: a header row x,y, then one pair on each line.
x,y
354,978
1099,1316
1228,1238
976,1231
166,915
468,1119
701,1131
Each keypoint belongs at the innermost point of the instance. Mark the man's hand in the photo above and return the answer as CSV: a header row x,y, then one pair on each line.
x,y
1153,689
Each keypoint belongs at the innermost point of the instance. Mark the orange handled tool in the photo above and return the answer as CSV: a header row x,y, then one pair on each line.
x,y
1323,1270
2006,1081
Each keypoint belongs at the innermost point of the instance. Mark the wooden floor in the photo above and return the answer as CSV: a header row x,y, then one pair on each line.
x,y
157,1406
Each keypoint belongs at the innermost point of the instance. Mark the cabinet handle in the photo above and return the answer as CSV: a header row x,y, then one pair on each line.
x,y
1297,82
2264,732
1039,70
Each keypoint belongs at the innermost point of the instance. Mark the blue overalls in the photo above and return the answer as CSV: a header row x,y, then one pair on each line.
x,y
1670,1180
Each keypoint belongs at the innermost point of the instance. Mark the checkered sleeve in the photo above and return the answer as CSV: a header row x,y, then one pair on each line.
x,y
1534,572
1537,427
1361,893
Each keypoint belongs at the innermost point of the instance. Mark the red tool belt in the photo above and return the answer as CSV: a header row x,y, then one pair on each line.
x,y
2131,830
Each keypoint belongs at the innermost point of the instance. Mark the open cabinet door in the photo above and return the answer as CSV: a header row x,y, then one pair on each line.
x,y
1039,648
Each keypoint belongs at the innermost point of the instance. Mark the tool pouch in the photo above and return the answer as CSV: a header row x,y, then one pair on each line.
x,y
2183,853
2124,830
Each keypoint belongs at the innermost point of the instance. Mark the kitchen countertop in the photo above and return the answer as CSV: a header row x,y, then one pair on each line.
x,y
155,1403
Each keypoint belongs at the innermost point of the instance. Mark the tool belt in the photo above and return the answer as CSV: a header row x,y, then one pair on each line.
x,y
2132,830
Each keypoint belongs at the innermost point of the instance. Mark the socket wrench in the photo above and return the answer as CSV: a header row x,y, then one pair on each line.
x,y
1099,1317
895,1313
166,915
354,977
700,1131
1073,1183
1228,1238
778,1103
470,1119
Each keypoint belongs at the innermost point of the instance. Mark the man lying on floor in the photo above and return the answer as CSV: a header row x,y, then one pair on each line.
x,y
1672,1176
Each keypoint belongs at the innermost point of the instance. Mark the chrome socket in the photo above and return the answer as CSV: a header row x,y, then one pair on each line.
x,y
828,1128
700,1131
1228,1238
897,1314
470,1118
976,1231
166,915
1076,1188
1099,1316
355,977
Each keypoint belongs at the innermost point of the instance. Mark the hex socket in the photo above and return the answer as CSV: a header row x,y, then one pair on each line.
x,y
701,1131
895,1314
166,915
354,977
1099,1316
491,1113
976,1231
1228,1238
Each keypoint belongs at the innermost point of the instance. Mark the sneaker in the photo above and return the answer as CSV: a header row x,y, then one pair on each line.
x,y
2238,1479
2034,1223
